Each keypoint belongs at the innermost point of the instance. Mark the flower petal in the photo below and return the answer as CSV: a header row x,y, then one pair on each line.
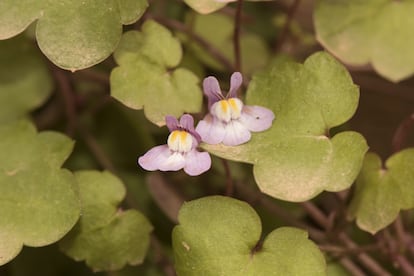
x,y
256,118
236,80
212,90
175,162
187,122
236,134
197,162
211,130
171,122
151,160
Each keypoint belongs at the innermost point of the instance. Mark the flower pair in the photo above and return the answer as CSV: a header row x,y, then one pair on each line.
x,y
229,122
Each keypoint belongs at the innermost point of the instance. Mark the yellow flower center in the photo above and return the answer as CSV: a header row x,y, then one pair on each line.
x,y
180,140
227,110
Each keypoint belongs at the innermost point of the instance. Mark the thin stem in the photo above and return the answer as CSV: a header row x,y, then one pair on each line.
x,y
64,87
236,36
340,250
400,231
97,151
401,134
364,258
286,28
351,267
229,179
93,75
323,221
161,258
405,265
316,214
213,51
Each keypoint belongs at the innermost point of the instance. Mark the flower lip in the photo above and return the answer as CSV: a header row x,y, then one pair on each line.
x,y
180,141
186,124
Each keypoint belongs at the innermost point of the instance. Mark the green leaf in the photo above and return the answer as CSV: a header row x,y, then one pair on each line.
x,y
38,203
218,30
145,77
296,159
25,82
209,6
220,236
378,32
73,34
206,6
382,192
105,237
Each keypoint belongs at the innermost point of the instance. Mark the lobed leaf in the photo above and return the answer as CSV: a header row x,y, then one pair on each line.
x,y
73,34
221,236
145,77
296,159
377,32
25,82
382,192
106,238
209,6
38,202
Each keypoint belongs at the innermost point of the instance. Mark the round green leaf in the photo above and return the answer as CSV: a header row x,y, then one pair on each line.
x,y
206,6
105,237
382,192
378,32
25,82
73,34
296,159
209,6
38,203
145,78
221,236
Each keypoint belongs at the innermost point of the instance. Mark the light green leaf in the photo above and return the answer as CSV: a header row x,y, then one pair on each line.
x,y
382,192
105,237
378,32
206,6
296,159
145,77
221,236
209,6
73,34
218,30
38,203
25,82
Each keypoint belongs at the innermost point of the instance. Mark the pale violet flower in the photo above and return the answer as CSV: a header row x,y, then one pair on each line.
x,y
230,121
180,152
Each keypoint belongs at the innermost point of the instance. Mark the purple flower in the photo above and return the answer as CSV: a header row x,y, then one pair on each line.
x,y
180,151
230,121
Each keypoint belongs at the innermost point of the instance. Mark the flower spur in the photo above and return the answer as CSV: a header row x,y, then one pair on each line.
x,y
180,152
230,121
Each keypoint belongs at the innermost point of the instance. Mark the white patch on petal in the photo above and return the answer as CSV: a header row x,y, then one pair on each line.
x,y
257,118
175,162
227,110
197,162
180,141
236,134
211,130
